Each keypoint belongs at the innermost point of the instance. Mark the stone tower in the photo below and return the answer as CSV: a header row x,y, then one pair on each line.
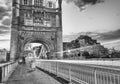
x,y
37,21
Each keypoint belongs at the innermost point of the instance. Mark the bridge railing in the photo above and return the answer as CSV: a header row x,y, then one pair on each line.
x,y
81,73
6,70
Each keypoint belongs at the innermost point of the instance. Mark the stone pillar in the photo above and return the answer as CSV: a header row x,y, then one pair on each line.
x,y
14,44
59,44
59,32
14,34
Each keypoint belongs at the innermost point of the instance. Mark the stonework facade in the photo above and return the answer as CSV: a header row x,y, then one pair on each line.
x,y
37,21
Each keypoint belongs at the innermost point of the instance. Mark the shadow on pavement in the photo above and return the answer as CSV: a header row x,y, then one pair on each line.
x,y
61,80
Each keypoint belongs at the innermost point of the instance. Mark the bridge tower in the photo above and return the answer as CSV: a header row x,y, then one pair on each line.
x,y
37,21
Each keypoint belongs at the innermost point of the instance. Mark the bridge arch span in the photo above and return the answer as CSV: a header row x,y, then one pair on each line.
x,y
47,44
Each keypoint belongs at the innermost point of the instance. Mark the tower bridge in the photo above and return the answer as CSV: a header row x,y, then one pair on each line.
x,y
38,21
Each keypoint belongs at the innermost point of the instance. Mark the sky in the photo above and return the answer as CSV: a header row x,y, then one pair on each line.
x,y
100,21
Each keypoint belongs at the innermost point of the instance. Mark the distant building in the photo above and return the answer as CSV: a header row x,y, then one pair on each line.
x,y
4,55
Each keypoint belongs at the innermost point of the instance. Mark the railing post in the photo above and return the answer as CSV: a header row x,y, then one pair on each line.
x,y
43,65
118,79
57,66
0,74
6,70
3,72
95,75
70,81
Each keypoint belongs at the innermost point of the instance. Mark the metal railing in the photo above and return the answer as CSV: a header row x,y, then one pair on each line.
x,y
6,70
77,73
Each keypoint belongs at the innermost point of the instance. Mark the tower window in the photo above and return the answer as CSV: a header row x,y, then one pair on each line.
x,y
38,2
50,4
25,2
38,17
27,15
53,20
47,16
38,20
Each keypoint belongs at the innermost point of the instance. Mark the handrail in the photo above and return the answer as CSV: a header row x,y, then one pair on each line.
x,y
84,73
6,70
5,64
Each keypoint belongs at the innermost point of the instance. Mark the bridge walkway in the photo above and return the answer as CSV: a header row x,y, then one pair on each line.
x,y
25,75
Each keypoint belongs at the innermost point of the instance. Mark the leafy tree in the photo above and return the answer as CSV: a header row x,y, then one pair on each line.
x,y
86,54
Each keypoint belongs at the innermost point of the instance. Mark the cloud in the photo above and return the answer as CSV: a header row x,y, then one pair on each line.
x,y
3,12
4,27
5,44
82,3
5,8
4,30
102,37
108,36
112,44
6,21
2,40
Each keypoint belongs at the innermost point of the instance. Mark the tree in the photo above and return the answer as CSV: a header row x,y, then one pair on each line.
x,y
86,54
115,54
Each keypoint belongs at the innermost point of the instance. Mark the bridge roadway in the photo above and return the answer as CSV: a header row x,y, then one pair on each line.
x,y
25,75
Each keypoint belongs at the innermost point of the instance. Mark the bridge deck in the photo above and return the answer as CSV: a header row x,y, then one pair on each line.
x,y
25,75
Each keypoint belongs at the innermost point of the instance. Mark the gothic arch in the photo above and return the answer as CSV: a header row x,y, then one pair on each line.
x,y
48,44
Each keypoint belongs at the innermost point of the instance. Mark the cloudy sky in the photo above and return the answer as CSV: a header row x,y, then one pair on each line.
x,y
100,21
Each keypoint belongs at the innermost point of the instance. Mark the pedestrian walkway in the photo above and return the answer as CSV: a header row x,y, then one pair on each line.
x,y
25,75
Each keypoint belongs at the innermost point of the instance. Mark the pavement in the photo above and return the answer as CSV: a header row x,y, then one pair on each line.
x,y
26,75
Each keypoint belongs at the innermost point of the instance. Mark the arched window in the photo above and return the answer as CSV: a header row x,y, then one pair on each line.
x,y
38,17
47,19
38,2
53,20
50,4
27,15
25,2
